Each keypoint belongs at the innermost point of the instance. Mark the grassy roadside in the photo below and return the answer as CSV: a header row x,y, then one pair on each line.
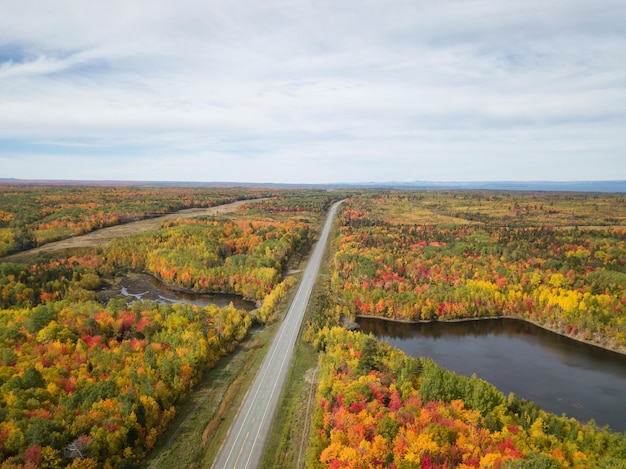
x,y
286,443
206,415
288,438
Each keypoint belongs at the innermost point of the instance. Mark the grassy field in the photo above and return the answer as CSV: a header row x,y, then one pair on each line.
x,y
287,442
515,209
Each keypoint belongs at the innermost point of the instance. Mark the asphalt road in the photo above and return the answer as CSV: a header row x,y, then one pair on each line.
x,y
244,445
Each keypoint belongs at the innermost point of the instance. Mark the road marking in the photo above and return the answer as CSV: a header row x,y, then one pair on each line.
x,y
240,451
273,366
273,349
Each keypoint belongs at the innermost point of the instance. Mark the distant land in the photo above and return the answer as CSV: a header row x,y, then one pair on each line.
x,y
551,186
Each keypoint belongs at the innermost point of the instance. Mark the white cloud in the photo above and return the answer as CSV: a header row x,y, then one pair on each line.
x,y
313,90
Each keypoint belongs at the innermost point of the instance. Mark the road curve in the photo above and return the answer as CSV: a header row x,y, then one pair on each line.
x,y
244,445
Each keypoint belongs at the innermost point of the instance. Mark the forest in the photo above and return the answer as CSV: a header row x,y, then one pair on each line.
x,y
85,384
570,279
88,384
34,215
376,407
557,260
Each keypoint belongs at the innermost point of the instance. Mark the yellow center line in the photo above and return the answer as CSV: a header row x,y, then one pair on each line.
x,y
241,450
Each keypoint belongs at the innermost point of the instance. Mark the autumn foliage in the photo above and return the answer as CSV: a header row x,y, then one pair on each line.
x,y
209,255
419,256
87,385
29,285
34,215
379,408
104,379
571,280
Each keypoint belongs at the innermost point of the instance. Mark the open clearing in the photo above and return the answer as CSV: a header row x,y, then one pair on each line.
x,y
103,236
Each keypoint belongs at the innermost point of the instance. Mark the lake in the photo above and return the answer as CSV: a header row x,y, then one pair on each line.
x,y
558,373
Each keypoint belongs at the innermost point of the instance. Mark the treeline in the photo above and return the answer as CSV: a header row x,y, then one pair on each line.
x,y
571,280
73,278
309,202
378,407
205,254
34,215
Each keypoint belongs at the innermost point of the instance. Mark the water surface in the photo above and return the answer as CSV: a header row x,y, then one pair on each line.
x,y
200,299
137,286
558,373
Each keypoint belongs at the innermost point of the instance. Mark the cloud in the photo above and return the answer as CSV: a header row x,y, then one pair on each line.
x,y
314,90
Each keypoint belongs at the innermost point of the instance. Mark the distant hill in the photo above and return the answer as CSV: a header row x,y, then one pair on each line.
x,y
557,186
569,186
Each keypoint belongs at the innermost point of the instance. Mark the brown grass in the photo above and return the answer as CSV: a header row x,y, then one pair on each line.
x,y
205,416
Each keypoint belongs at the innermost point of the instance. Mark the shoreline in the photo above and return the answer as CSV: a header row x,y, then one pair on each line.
x,y
178,288
621,351
140,275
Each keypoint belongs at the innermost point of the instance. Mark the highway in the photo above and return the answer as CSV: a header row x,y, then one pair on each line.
x,y
245,442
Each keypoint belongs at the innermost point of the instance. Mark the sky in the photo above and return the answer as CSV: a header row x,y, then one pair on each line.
x,y
313,91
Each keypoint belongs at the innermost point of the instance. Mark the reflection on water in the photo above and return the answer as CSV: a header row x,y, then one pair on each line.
x,y
558,373
151,289
202,299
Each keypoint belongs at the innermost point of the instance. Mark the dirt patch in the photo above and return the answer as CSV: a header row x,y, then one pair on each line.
x,y
311,375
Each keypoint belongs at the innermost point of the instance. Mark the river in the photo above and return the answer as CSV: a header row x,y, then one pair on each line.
x,y
558,373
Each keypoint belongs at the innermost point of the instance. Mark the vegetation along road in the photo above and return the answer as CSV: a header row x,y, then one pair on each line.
x,y
245,442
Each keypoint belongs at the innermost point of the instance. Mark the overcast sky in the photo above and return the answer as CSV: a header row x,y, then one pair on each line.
x,y
313,91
